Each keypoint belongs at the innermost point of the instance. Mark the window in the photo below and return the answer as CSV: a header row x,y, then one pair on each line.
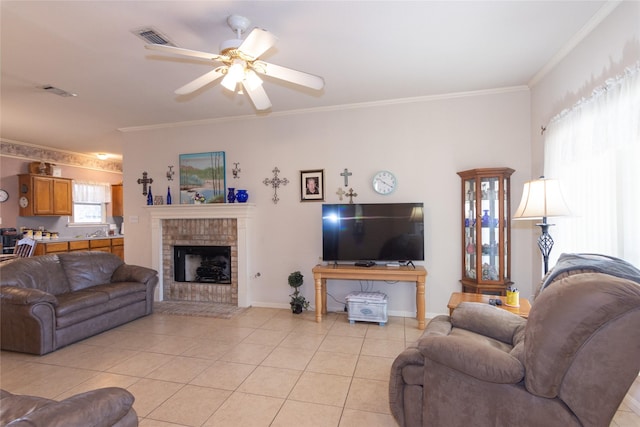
x,y
593,150
89,201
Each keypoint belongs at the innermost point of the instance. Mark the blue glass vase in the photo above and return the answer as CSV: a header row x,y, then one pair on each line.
x,y
486,219
242,196
231,197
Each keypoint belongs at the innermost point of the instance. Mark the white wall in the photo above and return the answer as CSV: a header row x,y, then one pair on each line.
x,y
613,45
424,143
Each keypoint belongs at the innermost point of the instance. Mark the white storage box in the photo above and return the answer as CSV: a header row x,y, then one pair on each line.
x,y
367,307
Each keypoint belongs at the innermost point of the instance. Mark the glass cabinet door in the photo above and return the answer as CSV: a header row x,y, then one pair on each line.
x,y
486,242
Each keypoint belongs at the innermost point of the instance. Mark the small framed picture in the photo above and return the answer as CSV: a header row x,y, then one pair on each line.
x,y
312,185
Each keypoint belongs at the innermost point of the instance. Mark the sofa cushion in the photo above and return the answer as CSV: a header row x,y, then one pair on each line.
x,y
82,311
41,272
115,290
74,301
89,268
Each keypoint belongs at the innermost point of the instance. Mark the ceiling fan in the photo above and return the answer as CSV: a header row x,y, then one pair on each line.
x,y
241,64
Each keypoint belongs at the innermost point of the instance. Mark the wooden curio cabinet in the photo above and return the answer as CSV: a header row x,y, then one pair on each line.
x,y
486,230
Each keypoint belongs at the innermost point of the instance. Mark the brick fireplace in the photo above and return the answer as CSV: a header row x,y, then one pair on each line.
x,y
202,225
199,232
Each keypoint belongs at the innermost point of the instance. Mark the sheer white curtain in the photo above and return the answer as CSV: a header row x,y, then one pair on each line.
x,y
593,149
91,192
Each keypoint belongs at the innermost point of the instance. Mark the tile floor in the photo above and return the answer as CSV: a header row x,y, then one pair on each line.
x,y
264,367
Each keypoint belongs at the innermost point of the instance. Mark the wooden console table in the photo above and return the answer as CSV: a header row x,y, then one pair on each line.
x,y
349,272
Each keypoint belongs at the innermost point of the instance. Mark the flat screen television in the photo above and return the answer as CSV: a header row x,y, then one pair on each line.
x,y
391,232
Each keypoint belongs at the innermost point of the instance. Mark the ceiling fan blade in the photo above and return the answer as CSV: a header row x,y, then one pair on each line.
x,y
289,75
184,52
258,96
257,42
201,81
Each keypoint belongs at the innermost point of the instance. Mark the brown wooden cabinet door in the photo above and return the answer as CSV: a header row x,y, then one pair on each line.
x,y
117,207
118,250
42,196
62,200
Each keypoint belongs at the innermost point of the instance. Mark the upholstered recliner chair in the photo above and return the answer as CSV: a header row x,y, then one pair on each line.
x,y
570,364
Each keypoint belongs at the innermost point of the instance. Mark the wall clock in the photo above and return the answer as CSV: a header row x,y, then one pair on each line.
x,y
4,196
384,182
24,202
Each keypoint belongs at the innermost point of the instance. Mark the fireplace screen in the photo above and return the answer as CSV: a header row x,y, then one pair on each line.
x,y
202,264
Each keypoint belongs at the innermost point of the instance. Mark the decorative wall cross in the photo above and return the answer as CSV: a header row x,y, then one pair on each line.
x,y
236,170
144,181
275,183
351,194
346,174
340,193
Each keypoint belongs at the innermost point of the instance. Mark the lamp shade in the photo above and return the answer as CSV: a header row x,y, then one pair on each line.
x,y
235,74
541,198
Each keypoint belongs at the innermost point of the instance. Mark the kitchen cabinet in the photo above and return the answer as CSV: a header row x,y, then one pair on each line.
x,y
117,206
117,247
113,245
41,195
51,248
103,245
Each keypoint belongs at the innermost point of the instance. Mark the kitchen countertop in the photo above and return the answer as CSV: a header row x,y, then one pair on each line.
x,y
75,239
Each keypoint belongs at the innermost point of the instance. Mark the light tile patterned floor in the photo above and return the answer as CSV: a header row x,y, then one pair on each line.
x,y
264,367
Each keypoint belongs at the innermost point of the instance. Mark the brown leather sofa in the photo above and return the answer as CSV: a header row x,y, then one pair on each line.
x,y
50,301
105,407
570,364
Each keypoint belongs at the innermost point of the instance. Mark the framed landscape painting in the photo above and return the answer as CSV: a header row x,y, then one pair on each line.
x,y
202,178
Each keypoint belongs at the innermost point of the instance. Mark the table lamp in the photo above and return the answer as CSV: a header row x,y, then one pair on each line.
x,y
542,198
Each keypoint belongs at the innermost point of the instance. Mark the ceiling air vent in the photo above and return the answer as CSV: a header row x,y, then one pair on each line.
x,y
57,91
153,36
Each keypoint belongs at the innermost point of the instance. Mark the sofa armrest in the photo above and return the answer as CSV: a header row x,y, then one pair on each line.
x,y
134,273
25,296
480,361
101,407
489,321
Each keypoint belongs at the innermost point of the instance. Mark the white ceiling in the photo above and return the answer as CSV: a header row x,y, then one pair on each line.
x,y
367,51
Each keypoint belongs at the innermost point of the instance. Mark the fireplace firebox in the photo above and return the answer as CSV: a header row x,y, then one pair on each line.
x,y
202,264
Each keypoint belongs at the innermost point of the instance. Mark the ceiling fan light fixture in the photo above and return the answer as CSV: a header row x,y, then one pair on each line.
x,y
235,74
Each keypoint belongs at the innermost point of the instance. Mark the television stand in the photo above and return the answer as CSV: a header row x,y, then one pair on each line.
x,y
416,274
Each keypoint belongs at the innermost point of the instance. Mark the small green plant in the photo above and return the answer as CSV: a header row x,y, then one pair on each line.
x,y
298,302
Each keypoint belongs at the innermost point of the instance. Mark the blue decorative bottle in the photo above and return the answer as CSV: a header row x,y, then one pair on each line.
x,y
231,196
149,197
168,195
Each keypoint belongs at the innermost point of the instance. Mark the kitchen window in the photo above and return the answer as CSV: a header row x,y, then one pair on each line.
x,y
89,202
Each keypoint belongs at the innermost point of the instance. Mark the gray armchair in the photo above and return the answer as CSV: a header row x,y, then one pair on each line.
x,y
570,364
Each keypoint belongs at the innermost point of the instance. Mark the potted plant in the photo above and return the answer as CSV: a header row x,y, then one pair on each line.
x,y
298,302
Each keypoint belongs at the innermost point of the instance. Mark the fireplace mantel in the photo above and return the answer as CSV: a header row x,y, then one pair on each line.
x,y
210,210
242,212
